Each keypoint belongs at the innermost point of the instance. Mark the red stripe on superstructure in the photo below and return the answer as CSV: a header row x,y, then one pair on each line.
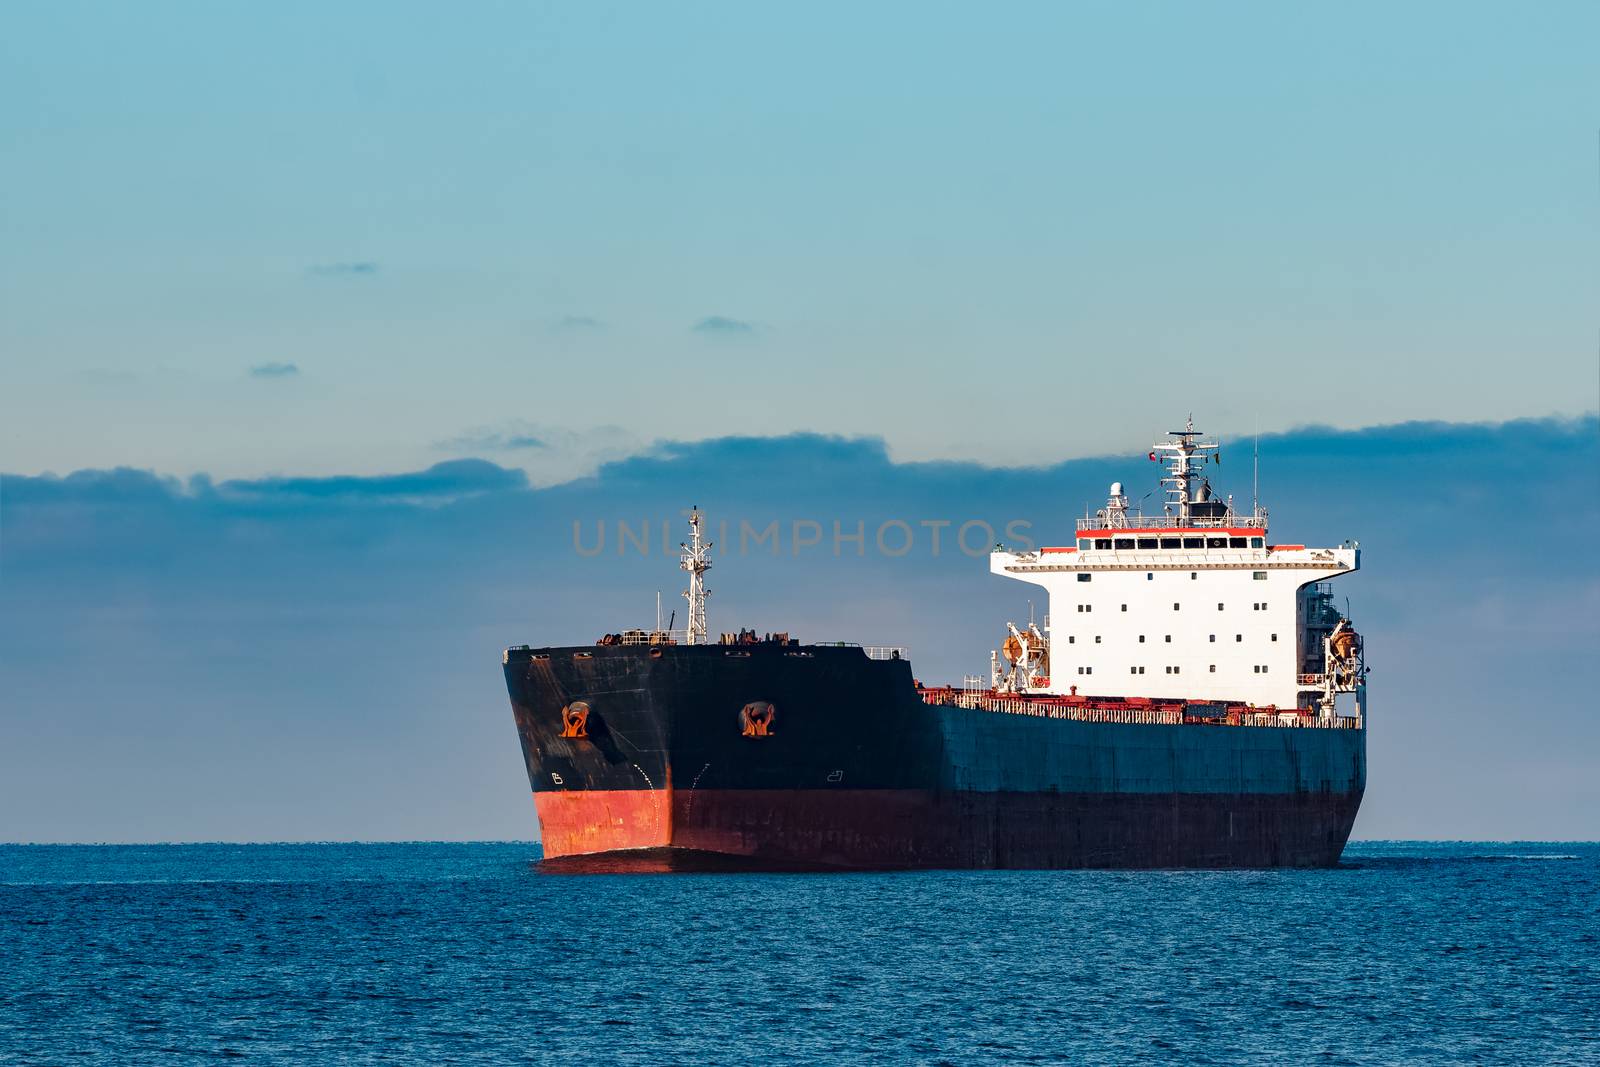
x,y
1170,531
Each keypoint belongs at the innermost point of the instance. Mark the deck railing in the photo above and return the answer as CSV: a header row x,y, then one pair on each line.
x,y
1170,522
1153,715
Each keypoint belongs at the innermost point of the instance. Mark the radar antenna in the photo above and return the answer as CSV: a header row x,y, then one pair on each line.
x,y
696,559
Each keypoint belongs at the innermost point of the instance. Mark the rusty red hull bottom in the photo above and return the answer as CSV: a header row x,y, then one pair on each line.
x,y
666,829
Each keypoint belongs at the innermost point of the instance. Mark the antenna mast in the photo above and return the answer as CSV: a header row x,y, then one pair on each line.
x,y
696,559
1255,472
1183,457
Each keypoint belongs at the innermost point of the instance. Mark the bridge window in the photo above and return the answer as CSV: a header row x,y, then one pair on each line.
x,y
1216,542
1236,542
1149,542
1124,542
1084,544
1194,542
1172,542
1258,542
1101,544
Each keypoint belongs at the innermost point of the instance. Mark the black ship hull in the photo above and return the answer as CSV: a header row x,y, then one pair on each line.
x,y
799,757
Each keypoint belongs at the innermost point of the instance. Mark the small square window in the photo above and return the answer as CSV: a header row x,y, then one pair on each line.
x,y
1071,639
1133,670
1083,577
1177,670
1149,576
1213,639
1193,575
1141,670
1256,669
1169,670
1174,607
1141,639
1169,639
1090,607
1097,638
1274,637
1090,670
1124,607
1213,668
1219,606
1259,576
1263,668
1238,637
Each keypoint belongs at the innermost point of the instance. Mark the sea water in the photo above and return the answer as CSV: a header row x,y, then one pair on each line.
x,y
469,953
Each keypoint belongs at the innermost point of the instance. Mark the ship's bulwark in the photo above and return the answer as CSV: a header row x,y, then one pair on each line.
x,y
858,772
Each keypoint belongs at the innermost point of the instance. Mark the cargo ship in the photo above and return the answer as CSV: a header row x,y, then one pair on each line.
x,y
1192,698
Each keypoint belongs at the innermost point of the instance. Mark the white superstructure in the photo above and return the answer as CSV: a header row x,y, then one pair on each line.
x,y
1190,604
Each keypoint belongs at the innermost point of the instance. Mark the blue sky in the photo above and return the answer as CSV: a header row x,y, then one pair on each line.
x,y
293,238
321,324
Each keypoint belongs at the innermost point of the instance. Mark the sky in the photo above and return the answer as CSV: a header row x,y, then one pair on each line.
x,y
358,238
320,326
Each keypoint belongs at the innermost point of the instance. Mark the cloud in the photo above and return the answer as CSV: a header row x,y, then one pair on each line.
x,y
491,441
333,643
274,370
358,269
717,324
451,480
576,324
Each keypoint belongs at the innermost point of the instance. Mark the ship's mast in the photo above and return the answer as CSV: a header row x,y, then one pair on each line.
x,y
1180,456
696,559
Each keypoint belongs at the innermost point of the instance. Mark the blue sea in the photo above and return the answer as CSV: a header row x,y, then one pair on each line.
x,y
468,953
